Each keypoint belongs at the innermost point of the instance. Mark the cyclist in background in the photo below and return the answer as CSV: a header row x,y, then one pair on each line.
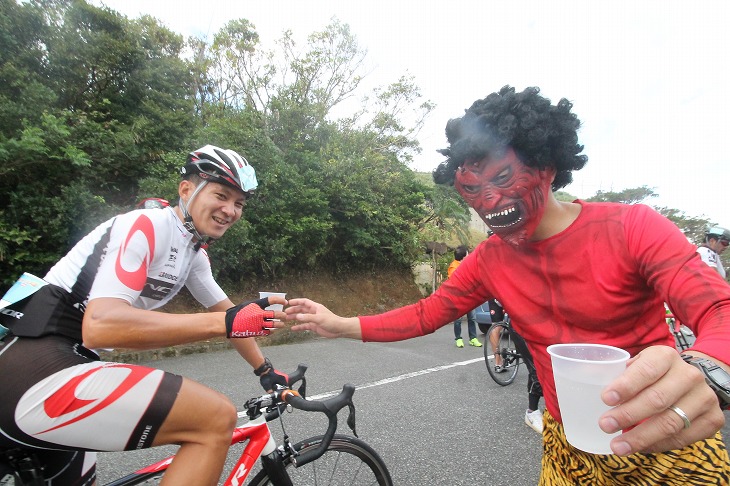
x,y
716,240
575,272
152,203
533,414
460,253
61,400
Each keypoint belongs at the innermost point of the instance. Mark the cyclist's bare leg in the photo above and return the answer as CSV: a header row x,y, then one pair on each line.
x,y
494,340
201,421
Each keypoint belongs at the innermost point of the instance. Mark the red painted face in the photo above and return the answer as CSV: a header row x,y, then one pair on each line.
x,y
509,196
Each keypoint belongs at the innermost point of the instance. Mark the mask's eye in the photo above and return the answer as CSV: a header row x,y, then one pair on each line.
x,y
470,189
503,176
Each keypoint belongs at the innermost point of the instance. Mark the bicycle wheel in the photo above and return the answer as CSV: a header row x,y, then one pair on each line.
x,y
501,344
348,460
149,479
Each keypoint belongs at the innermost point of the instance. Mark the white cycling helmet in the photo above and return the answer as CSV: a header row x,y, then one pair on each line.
x,y
224,166
214,164
718,233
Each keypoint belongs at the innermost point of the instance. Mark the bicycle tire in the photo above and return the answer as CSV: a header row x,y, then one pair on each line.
x,y
506,348
150,479
138,479
348,460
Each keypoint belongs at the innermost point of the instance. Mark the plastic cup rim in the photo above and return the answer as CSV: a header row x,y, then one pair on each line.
x,y
625,354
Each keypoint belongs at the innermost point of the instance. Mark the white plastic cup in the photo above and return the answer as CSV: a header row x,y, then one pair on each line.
x,y
581,373
273,307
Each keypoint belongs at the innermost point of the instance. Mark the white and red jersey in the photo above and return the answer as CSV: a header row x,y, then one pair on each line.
x,y
710,257
144,257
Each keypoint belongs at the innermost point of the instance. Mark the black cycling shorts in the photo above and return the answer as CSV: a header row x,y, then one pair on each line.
x,y
56,394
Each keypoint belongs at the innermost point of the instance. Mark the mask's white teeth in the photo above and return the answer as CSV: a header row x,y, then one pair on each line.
x,y
504,212
506,225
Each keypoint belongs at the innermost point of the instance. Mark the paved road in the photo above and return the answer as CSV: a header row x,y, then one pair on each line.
x,y
430,409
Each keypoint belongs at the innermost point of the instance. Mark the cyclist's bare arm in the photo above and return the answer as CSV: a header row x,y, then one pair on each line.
x,y
312,316
114,323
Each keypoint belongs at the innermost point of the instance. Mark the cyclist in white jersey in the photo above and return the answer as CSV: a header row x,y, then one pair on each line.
x,y
716,240
58,395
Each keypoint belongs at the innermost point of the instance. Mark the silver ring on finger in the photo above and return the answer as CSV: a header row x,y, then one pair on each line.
x,y
682,415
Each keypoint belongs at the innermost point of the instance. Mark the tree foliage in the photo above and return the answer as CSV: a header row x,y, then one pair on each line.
x,y
98,111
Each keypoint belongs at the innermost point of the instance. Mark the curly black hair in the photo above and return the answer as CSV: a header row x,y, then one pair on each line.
x,y
542,135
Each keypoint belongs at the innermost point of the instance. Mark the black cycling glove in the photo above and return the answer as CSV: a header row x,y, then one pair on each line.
x,y
269,377
248,319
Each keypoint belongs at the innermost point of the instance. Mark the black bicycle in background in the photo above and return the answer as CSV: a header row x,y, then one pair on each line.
x,y
501,354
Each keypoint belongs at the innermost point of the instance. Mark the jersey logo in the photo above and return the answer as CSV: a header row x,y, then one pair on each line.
x,y
135,279
156,289
65,401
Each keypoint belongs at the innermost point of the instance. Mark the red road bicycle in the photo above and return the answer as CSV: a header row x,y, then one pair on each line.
x,y
322,460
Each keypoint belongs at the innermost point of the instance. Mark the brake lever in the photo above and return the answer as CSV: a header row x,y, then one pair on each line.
x,y
351,418
302,390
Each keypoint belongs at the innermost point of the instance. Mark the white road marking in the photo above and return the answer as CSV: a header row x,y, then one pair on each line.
x,y
404,376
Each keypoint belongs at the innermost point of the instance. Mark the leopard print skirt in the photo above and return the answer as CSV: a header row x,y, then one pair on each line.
x,y
703,463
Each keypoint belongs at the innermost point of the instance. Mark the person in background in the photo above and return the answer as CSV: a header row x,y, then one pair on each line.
x,y
576,272
460,253
57,394
152,203
716,241
533,414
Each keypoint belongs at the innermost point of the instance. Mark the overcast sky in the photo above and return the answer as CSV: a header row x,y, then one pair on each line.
x,y
648,79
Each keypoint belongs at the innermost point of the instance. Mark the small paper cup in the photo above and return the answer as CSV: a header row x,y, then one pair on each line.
x,y
273,307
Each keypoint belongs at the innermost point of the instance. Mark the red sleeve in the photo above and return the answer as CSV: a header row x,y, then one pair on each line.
x,y
459,294
693,290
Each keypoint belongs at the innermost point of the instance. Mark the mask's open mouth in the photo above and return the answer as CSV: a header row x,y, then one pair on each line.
x,y
506,217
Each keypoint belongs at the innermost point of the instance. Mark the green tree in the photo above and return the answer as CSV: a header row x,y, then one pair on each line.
x,y
88,100
627,196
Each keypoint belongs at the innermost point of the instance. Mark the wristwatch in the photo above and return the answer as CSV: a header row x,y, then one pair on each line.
x,y
716,377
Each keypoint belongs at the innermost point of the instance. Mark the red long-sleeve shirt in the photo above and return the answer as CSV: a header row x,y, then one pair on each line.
x,y
604,279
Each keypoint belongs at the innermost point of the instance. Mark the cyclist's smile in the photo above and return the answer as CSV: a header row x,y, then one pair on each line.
x,y
509,196
216,208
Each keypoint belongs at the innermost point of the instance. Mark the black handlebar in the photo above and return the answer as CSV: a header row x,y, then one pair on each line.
x,y
330,408
272,403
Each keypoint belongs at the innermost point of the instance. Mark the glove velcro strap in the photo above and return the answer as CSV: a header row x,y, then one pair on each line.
x,y
263,368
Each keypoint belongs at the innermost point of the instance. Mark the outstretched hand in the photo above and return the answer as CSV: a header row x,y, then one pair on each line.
x,y
656,379
313,316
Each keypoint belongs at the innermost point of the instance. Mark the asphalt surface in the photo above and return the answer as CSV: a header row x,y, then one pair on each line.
x,y
431,410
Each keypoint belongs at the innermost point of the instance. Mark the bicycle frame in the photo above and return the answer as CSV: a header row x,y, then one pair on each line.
x,y
351,457
675,327
260,443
